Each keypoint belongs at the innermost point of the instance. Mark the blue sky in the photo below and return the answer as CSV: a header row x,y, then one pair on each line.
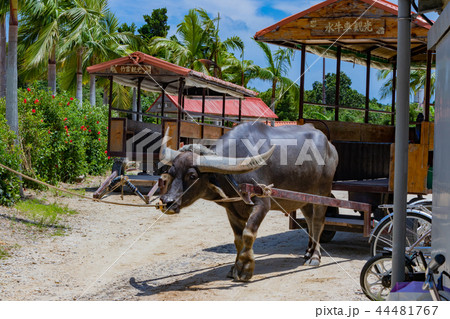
x,y
244,18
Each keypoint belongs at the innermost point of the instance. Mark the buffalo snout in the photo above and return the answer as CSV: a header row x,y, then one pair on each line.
x,y
172,204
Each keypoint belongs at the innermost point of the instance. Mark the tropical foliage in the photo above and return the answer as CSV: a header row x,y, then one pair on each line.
x,y
60,140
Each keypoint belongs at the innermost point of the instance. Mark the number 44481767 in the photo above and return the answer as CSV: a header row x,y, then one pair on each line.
x,y
407,310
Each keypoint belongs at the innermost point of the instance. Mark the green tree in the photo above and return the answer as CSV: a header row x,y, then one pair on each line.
x,y
197,45
155,25
39,37
417,81
278,65
93,38
127,28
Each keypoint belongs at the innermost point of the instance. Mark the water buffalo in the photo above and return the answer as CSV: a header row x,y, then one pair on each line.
x,y
296,158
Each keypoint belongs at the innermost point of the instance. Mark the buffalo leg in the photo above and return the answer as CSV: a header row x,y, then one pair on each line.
x,y
245,262
318,220
308,212
238,225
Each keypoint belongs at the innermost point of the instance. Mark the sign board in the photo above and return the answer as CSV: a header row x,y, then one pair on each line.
x,y
131,69
348,26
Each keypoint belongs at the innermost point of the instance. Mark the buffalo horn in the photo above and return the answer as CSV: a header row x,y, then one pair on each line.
x,y
226,165
166,154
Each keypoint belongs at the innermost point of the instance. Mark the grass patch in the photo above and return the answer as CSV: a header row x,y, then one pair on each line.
x,y
43,215
3,252
56,193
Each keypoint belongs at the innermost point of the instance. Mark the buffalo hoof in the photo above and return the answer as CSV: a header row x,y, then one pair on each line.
x,y
307,255
243,268
313,261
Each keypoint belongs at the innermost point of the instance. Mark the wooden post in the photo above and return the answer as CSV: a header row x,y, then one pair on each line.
x,y
240,110
203,111
366,115
428,86
338,84
109,112
180,100
139,108
223,113
183,115
394,83
162,109
302,82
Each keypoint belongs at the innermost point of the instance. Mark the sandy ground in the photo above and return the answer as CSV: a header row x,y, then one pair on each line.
x,y
127,253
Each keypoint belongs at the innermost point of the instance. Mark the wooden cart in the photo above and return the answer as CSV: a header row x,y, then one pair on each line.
x,y
362,32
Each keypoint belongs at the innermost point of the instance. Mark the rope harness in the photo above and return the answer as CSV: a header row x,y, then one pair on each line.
x,y
73,193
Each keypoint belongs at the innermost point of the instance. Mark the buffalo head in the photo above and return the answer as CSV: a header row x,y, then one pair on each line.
x,y
190,172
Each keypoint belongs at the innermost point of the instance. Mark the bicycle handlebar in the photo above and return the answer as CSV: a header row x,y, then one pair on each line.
x,y
435,263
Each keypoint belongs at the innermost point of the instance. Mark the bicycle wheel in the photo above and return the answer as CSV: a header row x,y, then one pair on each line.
x,y
375,278
417,226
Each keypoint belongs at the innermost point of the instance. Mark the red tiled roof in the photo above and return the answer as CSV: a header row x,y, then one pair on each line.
x,y
382,4
251,106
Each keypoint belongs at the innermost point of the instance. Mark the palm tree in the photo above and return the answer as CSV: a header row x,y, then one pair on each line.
x,y
197,45
11,70
189,48
39,36
417,81
93,39
277,69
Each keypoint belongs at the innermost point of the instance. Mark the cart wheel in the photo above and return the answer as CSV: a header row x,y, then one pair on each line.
x,y
417,224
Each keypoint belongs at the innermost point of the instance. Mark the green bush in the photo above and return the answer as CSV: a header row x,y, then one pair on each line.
x,y
59,139
9,156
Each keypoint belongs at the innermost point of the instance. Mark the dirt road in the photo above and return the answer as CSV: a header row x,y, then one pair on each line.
x,y
127,253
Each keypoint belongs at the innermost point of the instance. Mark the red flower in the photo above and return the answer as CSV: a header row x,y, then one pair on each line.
x,y
28,89
42,120
65,119
49,132
36,101
24,100
53,96
33,110
109,157
106,152
82,127
106,127
71,99
65,127
68,103
99,133
89,131
99,139
66,142
98,122
70,141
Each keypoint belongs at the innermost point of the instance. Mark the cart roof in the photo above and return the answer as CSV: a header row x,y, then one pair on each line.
x,y
157,73
251,106
371,26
